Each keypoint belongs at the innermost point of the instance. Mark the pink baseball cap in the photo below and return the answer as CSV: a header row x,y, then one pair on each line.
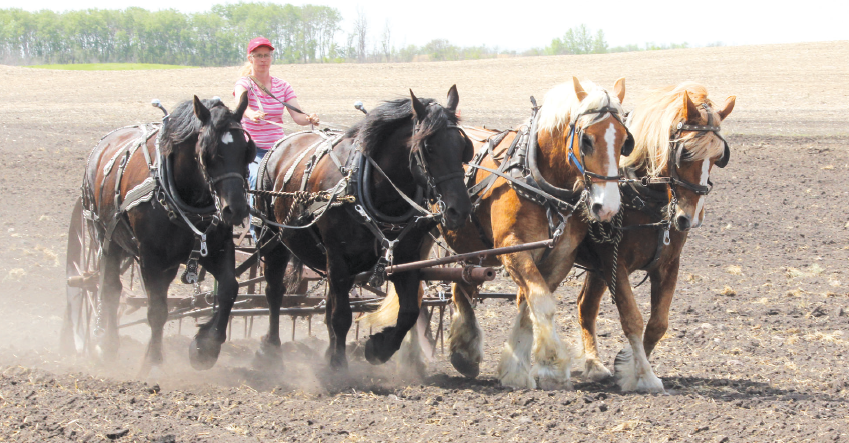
x,y
257,42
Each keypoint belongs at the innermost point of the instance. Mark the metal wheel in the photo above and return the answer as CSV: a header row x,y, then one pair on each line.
x,y
82,269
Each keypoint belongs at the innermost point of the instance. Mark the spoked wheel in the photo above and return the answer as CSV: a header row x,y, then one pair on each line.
x,y
82,269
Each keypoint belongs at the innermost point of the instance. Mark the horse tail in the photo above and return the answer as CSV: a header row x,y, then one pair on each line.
x,y
386,314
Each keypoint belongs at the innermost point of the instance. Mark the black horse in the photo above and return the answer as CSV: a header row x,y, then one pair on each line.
x,y
165,199
419,151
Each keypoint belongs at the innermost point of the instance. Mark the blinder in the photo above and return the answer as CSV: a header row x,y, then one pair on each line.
x,y
577,132
628,147
422,174
677,153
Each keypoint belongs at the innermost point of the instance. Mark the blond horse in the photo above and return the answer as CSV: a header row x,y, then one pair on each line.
x,y
677,143
580,137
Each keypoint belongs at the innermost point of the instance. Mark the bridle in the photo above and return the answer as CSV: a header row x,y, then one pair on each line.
x,y
212,181
417,161
578,132
675,154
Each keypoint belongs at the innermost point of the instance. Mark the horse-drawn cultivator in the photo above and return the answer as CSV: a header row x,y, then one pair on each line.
x,y
83,276
337,216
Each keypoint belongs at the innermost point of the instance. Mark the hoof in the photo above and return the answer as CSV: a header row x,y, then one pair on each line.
x,y
203,357
375,350
268,357
466,367
551,384
595,371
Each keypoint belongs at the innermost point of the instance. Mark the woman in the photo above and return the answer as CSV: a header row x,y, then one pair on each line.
x,y
264,117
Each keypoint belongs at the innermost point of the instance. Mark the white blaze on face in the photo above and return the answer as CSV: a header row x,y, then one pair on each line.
x,y
703,180
227,138
607,192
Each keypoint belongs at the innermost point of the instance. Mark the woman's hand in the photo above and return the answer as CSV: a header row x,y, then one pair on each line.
x,y
254,115
313,119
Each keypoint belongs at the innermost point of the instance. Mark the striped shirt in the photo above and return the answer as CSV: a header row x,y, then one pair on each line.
x,y
263,132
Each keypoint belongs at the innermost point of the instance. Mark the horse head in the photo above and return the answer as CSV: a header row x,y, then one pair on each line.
x,y
696,147
591,144
224,150
439,149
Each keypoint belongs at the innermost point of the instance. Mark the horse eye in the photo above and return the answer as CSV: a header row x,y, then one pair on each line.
x,y
587,142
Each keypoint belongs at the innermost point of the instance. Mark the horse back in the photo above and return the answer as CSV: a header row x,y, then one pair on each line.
x,y
107,160
287,163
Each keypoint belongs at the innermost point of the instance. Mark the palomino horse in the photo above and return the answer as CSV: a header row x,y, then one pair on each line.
x,y
580,137
403,148
166,200
677,143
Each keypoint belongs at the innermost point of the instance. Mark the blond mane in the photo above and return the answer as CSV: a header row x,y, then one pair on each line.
x,y
560,105
654,121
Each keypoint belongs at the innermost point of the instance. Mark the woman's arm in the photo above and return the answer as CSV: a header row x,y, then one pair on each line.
x,y
249,113
301,119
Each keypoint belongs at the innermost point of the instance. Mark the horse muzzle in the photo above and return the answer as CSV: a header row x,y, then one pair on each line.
x,y
604,201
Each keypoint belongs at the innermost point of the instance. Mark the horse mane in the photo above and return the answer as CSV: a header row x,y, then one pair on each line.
x,y
560,104
183,127
382,121
654,121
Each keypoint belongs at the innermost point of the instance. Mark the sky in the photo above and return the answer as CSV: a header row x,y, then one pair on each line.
x,y
533,25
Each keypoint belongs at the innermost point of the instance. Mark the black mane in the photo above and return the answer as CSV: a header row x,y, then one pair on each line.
x,y
383,120
183,127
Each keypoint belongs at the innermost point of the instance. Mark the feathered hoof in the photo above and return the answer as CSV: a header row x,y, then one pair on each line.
x,y
552,378
203,354
627,377
518,381
465,366
595,371
552,384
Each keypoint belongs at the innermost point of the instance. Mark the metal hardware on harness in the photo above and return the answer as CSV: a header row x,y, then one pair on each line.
x,y
362,213
203,249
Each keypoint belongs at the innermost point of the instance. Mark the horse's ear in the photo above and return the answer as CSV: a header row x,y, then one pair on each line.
x,y
200,111
727,107
619,89
453,99
419,110
579,90
243,105
691,112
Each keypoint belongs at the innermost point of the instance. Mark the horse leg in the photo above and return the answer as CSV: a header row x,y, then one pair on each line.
x,y
110,298
589,301
514,368
663,282
633,372
465,336
381,346
156,282
338,311
550,353
411,354
204,349
269,353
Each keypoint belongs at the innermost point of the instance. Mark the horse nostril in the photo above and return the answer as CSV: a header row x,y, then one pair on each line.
x,y
597,208
683,222
452,214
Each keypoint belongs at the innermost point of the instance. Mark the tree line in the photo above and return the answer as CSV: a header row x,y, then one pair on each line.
x,y
301,34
